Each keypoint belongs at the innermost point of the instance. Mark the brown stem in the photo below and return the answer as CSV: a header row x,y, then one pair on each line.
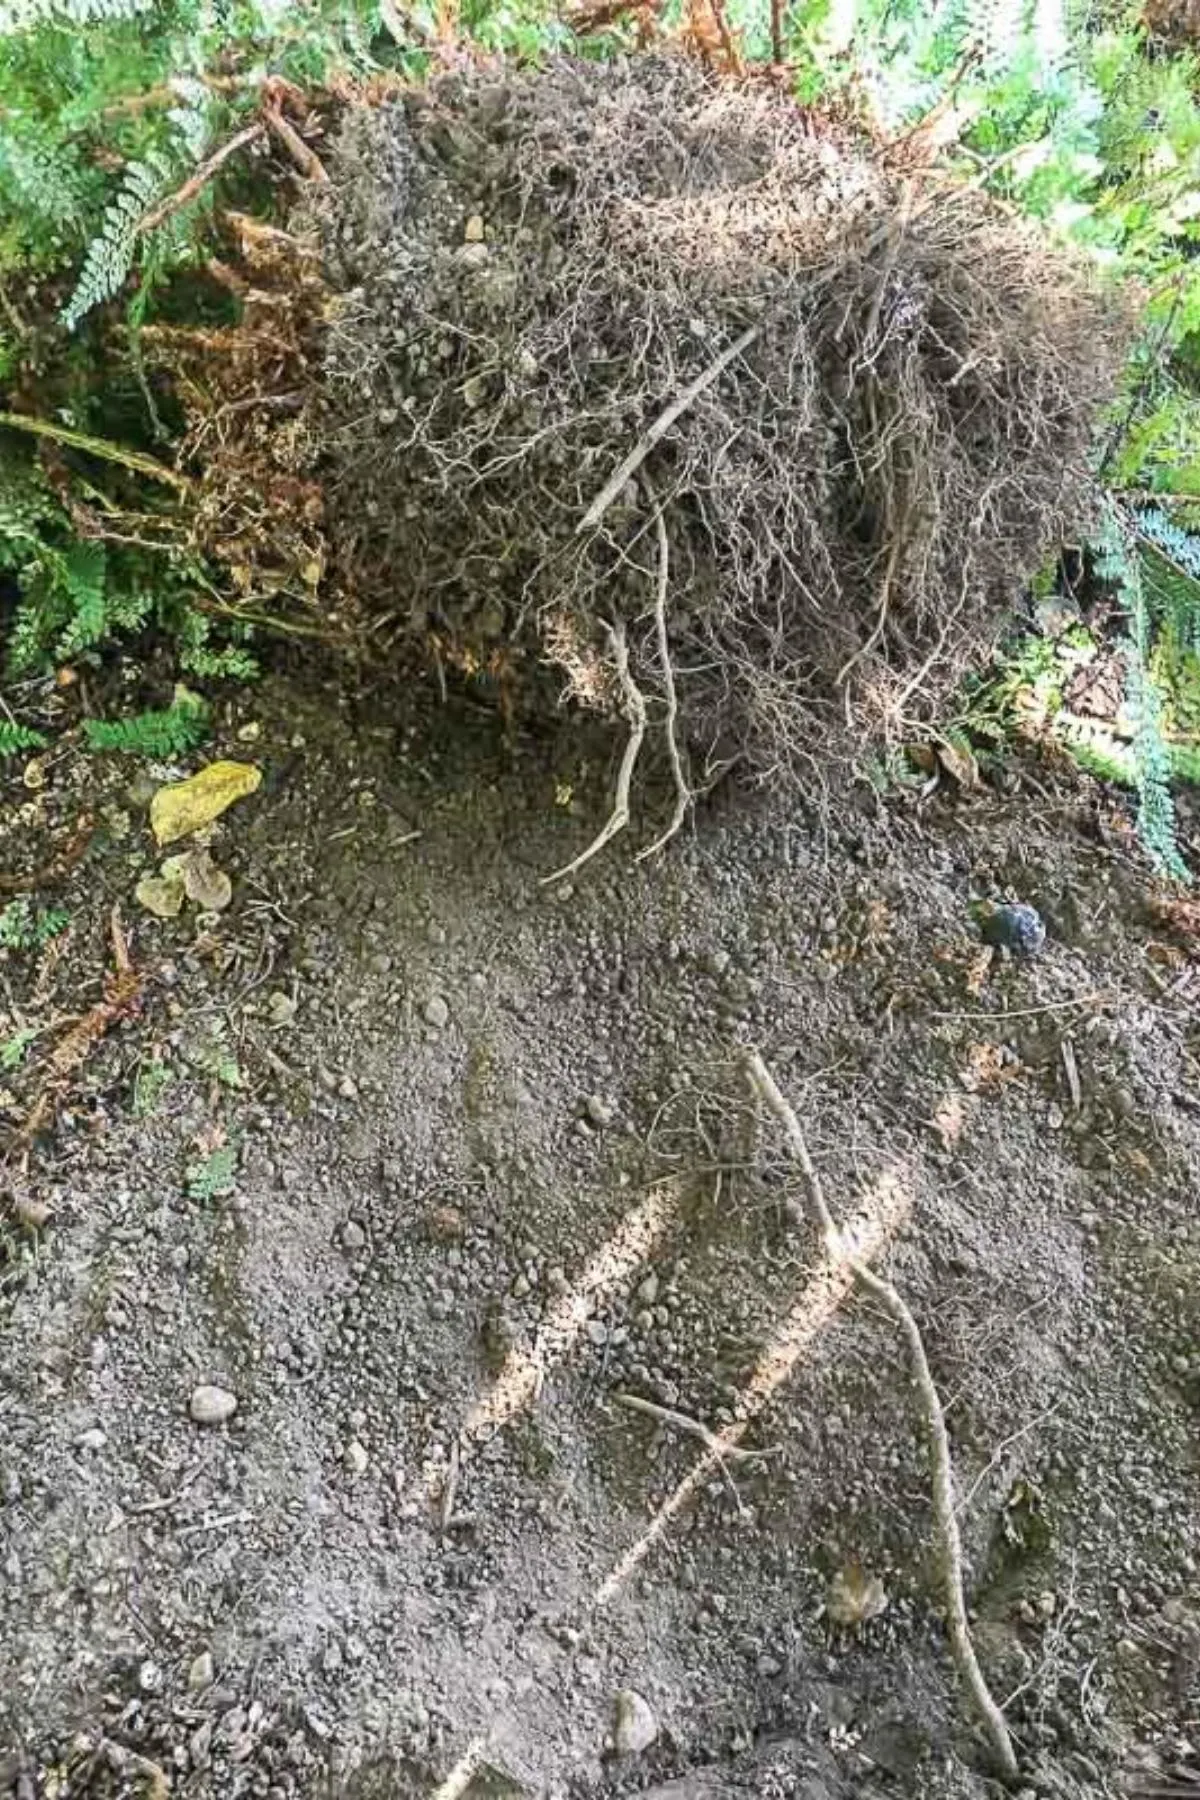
x,y
198,179
305,159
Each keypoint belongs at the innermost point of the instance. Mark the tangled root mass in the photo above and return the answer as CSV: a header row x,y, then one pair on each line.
x,y
889,393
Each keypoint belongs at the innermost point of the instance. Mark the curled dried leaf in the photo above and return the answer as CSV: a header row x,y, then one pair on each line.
x,y
205,885
161,895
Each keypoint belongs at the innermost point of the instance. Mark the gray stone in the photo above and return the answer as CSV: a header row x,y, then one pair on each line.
x,y
354,1238
211,1405
600,1112
437,1013
360,1142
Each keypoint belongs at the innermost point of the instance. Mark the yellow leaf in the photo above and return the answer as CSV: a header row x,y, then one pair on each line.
x,y
188,806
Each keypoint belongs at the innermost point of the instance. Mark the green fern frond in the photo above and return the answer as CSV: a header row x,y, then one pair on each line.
x,y
1118,561
26,507
40,178
162,735
1152,761
1182,546
84,571
199,656
26,15
110,255
213,1176
14,738
26,927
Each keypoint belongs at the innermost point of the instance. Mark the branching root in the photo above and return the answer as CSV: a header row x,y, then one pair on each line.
x,y
949,1542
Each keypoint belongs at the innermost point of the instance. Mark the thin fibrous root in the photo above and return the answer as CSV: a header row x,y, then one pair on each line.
x,y
683,793
635,707
948,1540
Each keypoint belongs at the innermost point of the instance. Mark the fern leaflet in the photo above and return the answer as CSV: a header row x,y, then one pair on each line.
x,y
110,255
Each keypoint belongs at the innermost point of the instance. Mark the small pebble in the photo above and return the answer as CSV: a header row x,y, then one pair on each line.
x,y
634,1724
600,1112
437,1013
212,1405
647,1290
356,1458
354,1238
150,1678
201,1672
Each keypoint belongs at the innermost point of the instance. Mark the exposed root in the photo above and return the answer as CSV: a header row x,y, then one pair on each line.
x,y
626,470
949,1542
680,1421
683,792
553,296
635,707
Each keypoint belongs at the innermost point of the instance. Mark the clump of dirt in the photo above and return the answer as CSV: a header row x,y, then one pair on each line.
x,y
626,359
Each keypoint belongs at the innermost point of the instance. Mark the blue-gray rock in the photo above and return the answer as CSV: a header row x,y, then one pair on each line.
x,y
1018,927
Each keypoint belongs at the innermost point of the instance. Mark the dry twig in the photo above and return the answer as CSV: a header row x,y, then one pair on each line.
x,y
96,446
949,1542
199,178
122,995
304,157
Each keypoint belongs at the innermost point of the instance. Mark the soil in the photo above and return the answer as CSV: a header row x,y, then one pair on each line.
x,y
426,1163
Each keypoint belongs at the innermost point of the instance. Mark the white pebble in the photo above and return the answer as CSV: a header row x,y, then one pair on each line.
x,y
212,1405
634,1724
